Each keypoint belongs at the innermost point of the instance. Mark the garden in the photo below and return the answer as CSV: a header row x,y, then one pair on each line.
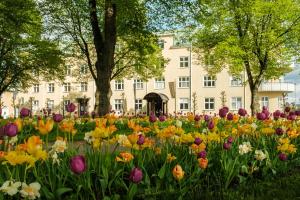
x,y
224,156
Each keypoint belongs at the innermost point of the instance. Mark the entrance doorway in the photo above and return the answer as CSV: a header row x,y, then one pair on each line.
x,y
157,103
82,105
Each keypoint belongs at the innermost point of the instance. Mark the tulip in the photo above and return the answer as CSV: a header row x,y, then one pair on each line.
x,y
57,118
152,118
78,164
178,173
226,145
141,139
287,109
226,109
242,112
25,112
279,131
202,154
283,115
197,118
282,156
267,113
229,116
261,116
10,129
197,141
162,118
206,118
211,125
203,162
19,124
222,112
70,107
136,175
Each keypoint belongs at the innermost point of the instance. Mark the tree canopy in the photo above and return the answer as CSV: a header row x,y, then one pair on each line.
x,y
25,50
258,36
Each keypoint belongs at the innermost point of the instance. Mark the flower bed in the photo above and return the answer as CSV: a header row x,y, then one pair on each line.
x,y
144,158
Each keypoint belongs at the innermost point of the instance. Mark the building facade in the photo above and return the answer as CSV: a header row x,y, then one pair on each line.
x,y
184,87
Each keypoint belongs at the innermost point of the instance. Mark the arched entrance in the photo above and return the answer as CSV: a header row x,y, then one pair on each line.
x,y
157,103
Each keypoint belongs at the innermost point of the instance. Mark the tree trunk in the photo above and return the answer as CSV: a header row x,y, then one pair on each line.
x,y
254,104
104,93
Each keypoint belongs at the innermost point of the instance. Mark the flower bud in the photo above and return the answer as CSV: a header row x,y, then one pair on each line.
x,y
70,107
197,118
197,141
178,173
242,112
57,118
152,118
230,139
162,118
78,164
25,112
136,175
229,116
203,162
202,154
141,139
226,145
10,129
282,156
211,125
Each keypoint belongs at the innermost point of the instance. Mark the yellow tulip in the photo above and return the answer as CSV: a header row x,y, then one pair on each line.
x,y
178,173
45,128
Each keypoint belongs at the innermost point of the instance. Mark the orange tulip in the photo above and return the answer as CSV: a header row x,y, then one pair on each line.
x,y
203,162
178,173
45,128
124,157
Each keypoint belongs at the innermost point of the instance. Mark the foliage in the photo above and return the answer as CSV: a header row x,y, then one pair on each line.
x,y
25,49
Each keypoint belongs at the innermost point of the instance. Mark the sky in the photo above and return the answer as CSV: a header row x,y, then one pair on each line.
x,y
294,77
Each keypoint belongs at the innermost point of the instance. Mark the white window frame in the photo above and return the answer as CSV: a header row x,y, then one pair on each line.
x,y
66,102
50,104
35,105
83,86
138,104
264,101
184,82
67,87
184,61
36,88
184,103
119,85
160,83
236,103
68,70
209,81
210,102
51,87
236,81
139,84
83,69
119,103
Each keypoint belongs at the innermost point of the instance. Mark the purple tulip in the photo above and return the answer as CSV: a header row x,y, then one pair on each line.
x,y
10,129
78,164
211,125
267,113
276,114
287,109
230,139
291,117
292,113
141,139
279,131
162,118
202,154
226,108
136,175
226,145
222,112
242,112
25,112
282,156
261,116
197,118
152,118
197,141
57,118
229,116
283,115
70,107
206,118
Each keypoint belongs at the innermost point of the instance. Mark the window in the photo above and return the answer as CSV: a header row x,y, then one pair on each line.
x,y
35,105
67,87
209,81
265,101
138,104
161,44
236,81
51,87
209,103
66,102
68,70
184,82
83,86
83,69
119,85
119,104
159,83
36,88
184,61
236,103
184,103
139,84
50,104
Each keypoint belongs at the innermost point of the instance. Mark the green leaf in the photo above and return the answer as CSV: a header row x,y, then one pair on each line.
x,y
60,191
47,193
162,172
132,191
